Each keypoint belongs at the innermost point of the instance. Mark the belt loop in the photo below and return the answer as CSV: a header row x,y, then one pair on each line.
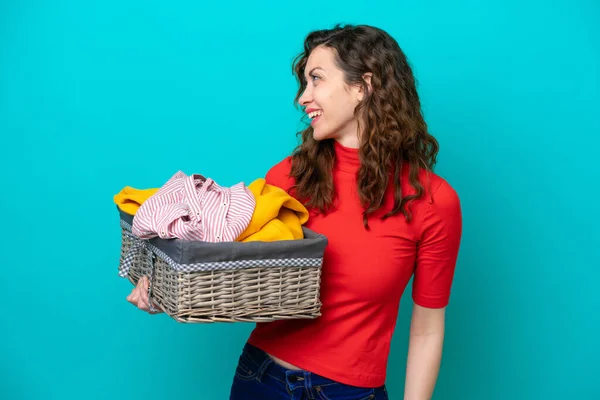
x,y
263,368
308,384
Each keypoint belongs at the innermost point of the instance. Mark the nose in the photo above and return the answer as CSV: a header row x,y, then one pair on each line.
x,y
306,97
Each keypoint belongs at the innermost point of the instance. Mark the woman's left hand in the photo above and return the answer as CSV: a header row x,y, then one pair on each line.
x,y
139,296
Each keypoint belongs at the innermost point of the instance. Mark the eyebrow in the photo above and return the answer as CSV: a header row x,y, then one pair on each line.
x,y
313,70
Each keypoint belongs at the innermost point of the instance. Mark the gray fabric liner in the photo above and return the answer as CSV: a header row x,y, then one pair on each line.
x,y
191,252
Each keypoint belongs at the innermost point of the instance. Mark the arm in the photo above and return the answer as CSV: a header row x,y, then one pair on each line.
x,y
437,253
424,352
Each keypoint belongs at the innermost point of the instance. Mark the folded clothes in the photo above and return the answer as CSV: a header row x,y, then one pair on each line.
x,y
195,208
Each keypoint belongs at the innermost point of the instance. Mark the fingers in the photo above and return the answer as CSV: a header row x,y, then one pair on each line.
x,y
139,295
133,297
143,305
143,291
142,282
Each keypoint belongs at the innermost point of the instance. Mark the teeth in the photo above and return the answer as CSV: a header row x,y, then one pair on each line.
x,y
315,114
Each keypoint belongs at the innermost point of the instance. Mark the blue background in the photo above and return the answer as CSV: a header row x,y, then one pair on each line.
x,y
98,95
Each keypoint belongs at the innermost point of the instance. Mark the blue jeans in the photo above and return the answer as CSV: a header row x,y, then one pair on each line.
x,y
258,377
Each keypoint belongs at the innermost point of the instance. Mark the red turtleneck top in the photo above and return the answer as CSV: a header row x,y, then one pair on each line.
x,y
365,273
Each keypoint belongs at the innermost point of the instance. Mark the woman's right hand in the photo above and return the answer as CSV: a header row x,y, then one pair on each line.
x,y
139,296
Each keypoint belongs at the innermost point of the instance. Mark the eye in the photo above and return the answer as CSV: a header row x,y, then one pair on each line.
x,y
314,77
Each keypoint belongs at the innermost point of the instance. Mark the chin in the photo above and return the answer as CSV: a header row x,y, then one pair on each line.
x,y
318,136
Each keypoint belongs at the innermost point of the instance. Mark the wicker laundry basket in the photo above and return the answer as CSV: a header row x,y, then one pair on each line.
x,y
195,282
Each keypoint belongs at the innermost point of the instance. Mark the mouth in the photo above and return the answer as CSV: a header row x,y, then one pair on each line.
x,y
315,116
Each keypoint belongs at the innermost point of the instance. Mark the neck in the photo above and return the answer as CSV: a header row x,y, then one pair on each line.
x,y
346,158
350,142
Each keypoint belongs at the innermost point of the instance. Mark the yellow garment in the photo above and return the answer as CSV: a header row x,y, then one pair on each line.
x,y
277,215
130,199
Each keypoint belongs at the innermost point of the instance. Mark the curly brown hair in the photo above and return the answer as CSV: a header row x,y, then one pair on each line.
x,y
394,129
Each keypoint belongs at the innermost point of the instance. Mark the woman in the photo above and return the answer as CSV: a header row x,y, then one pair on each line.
x,y
364,171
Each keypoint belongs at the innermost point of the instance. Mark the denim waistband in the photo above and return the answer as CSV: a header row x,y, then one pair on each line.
x,y
266,365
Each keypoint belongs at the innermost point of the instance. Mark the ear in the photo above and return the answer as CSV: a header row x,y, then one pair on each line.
x,y
367,78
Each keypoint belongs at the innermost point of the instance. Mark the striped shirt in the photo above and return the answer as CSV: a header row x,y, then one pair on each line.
x,y
195,208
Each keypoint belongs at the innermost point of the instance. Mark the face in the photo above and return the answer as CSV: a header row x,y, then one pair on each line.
x,y
328,100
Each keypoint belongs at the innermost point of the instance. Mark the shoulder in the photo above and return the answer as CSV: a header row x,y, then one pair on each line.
x,y
442,193
441,203
279,174
440,200
437,190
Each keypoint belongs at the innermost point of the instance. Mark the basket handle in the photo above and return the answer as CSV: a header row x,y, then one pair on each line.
x,y
127,264
127,261
151,259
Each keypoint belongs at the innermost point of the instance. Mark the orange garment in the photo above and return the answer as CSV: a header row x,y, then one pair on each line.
x,y
277,216
130,199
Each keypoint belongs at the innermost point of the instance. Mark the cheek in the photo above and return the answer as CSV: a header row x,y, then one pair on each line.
x,y
326,95
336,103
342,103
